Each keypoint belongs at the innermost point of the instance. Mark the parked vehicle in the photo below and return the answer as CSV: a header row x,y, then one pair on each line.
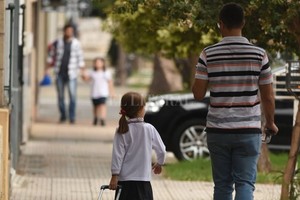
x,y
181,120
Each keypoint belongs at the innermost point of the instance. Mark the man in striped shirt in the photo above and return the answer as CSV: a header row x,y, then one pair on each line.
x,y
240,81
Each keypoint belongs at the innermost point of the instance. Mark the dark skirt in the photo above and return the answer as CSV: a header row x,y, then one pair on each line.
x,y
136,190
99,101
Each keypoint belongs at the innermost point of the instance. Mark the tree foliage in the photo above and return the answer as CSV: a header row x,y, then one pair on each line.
x,y
101,7
180,28
165,26
273,24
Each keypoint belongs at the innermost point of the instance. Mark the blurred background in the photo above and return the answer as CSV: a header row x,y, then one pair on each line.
x,y
150,46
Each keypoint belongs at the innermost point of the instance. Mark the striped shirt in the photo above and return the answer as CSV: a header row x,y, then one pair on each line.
x,y
76,57
234,69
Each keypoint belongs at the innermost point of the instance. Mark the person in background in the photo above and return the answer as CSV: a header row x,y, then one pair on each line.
x,y
66,57
101,88
240,82
132,151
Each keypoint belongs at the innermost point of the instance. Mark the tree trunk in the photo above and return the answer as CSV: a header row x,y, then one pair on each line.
x,y
136,62
291,164
184,69
165,77
264,163
187,70
294,27
121,71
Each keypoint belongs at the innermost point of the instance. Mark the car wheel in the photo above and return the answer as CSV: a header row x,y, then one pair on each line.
x,y
190,141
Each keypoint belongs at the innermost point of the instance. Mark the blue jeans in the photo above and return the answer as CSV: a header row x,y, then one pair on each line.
x,y
234,163
72,88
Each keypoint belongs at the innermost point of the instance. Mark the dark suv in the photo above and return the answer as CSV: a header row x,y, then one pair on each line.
x,y
181,120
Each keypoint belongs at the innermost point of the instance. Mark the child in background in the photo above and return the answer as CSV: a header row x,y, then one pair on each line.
x,y
132,151
102,88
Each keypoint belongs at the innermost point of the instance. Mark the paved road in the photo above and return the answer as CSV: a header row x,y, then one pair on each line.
x,y
62,161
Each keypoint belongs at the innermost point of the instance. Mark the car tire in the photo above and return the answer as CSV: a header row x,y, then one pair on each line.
x,y
189,141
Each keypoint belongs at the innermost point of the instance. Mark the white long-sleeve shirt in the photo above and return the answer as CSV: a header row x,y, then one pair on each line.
x,y
132,151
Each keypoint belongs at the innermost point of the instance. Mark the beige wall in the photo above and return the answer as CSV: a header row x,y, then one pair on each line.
x,y
4,152
40,29
34,53
4,117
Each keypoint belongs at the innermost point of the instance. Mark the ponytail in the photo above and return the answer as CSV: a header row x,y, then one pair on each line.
x,y
123,124
131,104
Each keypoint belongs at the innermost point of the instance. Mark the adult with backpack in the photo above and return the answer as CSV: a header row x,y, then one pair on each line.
x,y
66,56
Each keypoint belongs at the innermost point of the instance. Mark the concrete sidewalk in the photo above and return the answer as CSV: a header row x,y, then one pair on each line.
x,y
71,162
63,161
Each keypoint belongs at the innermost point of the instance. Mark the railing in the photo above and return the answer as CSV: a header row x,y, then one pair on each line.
x,y
287,81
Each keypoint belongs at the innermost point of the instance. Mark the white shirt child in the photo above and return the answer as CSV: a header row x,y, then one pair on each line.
x,y
100,83
132,151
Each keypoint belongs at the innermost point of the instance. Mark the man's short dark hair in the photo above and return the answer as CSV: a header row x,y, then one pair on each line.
x,y
232,15
68,26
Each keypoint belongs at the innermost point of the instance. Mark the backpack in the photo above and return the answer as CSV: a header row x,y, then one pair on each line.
x,y
52,49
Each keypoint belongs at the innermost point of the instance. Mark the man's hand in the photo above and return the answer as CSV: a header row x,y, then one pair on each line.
x,y
84,74
272,127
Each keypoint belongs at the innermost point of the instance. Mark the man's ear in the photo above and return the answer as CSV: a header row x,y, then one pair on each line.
x,y
221,24
244,22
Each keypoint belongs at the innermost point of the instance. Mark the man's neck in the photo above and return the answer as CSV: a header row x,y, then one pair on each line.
x,y
67,39
232,32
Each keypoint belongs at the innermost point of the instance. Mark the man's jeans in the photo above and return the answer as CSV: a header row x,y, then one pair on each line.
x,y
234,162
72,88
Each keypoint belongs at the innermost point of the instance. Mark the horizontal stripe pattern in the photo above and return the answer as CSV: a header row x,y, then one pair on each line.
x,y
234,69
236,105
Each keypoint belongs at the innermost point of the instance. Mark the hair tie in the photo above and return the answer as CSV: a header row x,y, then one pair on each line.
x,y
122,112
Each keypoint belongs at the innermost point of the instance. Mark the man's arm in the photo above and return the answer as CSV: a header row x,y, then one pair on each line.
x,y
81,63
199,88
80,56
268,106
84,74
111,88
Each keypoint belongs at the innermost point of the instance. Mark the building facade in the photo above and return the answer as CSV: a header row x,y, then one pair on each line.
x,y
25,31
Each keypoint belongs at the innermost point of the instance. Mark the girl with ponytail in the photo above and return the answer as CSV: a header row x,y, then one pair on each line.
x,y
132,151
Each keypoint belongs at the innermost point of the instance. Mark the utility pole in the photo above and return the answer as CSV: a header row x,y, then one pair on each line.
x,y
2,25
